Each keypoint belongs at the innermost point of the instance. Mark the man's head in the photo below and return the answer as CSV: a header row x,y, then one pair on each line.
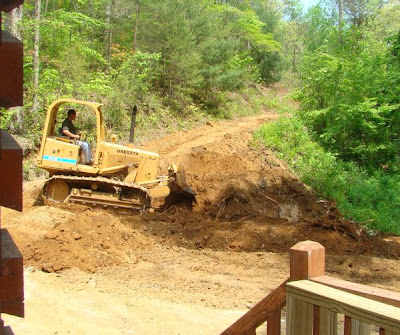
x,y
72,114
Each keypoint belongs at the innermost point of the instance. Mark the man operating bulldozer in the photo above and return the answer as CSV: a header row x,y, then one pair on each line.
x,y
68,129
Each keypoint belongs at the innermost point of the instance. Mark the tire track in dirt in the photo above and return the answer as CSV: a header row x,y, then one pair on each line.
x,y
181,143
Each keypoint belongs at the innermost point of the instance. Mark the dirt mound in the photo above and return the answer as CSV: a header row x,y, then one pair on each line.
x,y
248,201
84,239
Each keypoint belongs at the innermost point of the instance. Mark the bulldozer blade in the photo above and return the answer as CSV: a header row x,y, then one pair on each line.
x,y
188,190
181,183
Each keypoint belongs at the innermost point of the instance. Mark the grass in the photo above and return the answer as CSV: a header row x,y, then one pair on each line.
x,y
31,170
372,199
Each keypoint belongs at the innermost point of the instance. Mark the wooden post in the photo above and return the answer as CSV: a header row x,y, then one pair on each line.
x,y
1,274
11,71
11,95
307,260
274,323
11,174
316,320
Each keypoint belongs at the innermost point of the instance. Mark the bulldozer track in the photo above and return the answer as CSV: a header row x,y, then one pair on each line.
x,y
117,199
103,180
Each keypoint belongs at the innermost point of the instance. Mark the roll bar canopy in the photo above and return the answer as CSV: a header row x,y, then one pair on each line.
x,y
51,117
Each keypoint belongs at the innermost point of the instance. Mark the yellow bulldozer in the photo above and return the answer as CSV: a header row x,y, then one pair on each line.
x,y
119,177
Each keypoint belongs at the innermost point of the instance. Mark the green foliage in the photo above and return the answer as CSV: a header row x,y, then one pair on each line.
x,y
371,199
244,64
317,27
248,102
344,141
188,55
30,169
256,27
65,33
6,117
349,91
132,84
251,28
172,35
364,133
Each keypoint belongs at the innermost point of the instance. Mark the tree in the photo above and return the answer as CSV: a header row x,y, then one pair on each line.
x,y
358,11
349,94
16,16
36,60
108,34
136,29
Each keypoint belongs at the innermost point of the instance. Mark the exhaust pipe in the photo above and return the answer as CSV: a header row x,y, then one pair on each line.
x,y
133,124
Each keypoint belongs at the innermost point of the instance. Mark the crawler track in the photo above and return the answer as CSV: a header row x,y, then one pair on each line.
x,y
97,191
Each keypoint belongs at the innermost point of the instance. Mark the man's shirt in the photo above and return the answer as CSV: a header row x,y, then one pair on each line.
x,y
68,125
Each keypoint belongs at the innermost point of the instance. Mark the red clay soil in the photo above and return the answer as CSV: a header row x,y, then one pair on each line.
x,y
246,201
188,269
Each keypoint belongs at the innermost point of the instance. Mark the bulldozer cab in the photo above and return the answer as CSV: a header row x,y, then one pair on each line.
x,y
58,152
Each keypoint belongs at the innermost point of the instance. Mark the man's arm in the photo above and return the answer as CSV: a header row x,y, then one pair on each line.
x,y
70,135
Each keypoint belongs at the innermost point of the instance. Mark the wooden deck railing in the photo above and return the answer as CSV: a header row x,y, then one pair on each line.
x,y
312,309
314,300
267,310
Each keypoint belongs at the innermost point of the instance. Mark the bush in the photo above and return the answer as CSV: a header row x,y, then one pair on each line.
x,y
372,199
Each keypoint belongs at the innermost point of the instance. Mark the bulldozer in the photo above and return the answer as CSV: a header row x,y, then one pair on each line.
x,y
121,176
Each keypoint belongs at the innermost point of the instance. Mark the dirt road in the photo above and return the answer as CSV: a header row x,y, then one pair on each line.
x,y
185,270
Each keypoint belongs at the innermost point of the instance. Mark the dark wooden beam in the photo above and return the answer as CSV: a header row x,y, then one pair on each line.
x,y
11,71
9,5
12,277
11,177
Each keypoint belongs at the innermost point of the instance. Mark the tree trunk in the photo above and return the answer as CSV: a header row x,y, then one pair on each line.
x,y
5,22
136,26
294,60
340,5
36,60
15,29
15,21
90,7
107,33
46,6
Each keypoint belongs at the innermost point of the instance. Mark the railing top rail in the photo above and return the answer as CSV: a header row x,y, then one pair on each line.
x,y
374,293
354,306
